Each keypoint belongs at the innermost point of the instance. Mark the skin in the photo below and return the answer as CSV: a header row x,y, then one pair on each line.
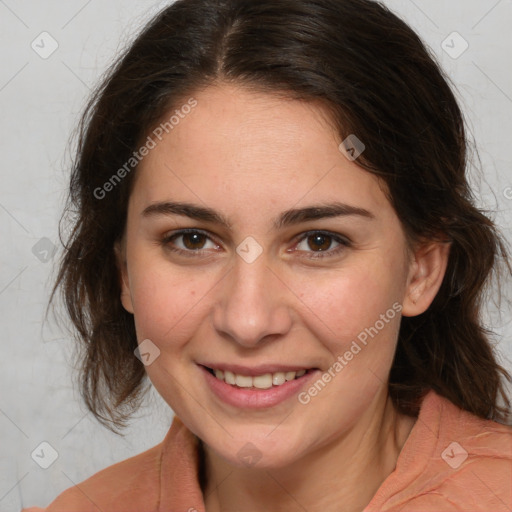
x,y
251,156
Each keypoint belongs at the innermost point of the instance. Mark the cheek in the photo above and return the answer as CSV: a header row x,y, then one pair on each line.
x,y
355,313
167,306
346,302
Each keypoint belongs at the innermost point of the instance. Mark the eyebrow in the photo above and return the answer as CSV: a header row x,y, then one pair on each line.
x,y
287,218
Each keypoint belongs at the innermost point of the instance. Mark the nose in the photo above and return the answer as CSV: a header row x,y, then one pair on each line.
x,y
253,305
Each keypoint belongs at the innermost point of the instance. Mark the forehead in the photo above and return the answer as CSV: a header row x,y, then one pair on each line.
x,y
239,148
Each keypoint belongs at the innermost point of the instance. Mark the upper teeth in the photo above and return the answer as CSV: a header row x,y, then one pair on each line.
x,y
261,381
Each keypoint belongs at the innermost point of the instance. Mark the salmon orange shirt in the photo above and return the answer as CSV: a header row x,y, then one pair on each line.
x,y
451,461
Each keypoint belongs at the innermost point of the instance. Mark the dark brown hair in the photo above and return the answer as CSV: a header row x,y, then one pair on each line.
x,y
378,81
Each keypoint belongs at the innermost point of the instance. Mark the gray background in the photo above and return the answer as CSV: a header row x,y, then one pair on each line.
x,y
40,100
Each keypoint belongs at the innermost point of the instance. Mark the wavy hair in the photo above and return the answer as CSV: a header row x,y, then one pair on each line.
x,y
379,81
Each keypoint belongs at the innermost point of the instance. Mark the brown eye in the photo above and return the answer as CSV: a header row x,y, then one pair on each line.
x,y
194,241
190,243
319,242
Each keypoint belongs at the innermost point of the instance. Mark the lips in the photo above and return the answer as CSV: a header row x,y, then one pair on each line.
x,y
254,388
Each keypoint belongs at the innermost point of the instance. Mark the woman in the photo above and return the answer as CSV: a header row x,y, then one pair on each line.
x,y
274,224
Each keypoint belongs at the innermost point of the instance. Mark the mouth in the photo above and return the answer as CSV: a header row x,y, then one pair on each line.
x,y
259,381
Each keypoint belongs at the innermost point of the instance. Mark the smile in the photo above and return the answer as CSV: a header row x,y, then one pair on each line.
x,y
264,381
256,387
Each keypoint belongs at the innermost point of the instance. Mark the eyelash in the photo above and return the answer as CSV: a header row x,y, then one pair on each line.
x,y
344,243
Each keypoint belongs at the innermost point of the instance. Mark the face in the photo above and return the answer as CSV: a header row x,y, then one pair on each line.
x,y
256,248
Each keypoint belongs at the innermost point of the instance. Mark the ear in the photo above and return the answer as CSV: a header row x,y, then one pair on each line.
x,y
427,270
120,254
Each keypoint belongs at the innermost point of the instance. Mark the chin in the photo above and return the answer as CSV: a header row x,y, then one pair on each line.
x,y
259,452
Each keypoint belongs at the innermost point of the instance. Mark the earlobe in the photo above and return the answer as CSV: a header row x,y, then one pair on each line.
x,y
126,298
426,275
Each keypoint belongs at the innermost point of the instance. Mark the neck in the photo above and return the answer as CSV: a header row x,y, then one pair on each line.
x,y
347,471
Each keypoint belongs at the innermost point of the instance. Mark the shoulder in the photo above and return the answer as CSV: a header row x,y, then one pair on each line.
x,y
468,463
451,461
467,442
479,485
134,485
475,465
129,485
